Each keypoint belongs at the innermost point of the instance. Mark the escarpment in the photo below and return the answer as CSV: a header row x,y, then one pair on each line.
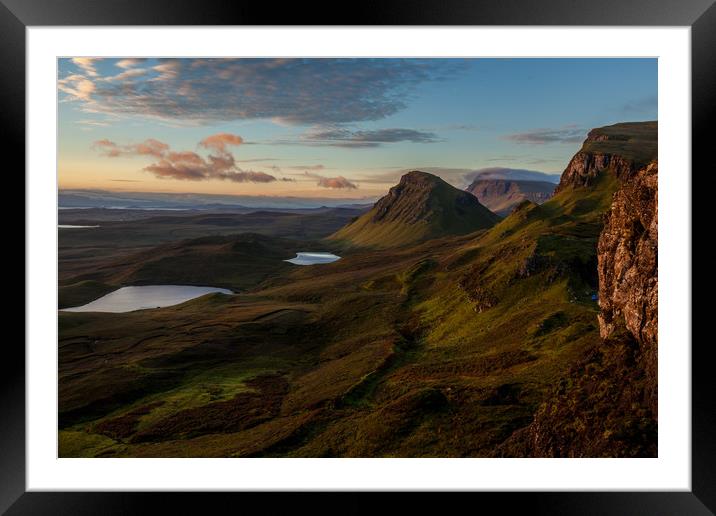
x,y
607,404
627,267
622,148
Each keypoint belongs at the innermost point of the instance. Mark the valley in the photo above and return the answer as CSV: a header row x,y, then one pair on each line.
x,y
444,329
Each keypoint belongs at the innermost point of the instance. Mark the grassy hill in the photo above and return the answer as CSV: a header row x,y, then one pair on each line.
x,y
236,262
422,206
634,141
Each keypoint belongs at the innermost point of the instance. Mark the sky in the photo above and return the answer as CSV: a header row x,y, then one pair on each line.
x,y
331,128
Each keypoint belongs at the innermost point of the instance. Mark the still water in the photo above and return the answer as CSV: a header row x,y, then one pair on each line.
x,y
127,299
313,258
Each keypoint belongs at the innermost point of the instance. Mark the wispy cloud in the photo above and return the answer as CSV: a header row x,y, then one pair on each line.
x,y
306,167
93,123
86,64
188,165
641,106
346,138
291,91
76,88
130,62
567,134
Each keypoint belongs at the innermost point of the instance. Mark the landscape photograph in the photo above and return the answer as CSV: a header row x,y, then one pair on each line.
x,y
357,257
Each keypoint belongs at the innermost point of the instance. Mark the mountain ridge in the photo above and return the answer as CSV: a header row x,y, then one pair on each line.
x,y
420,207
501,196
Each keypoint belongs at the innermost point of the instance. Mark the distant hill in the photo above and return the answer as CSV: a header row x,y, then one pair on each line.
x,y
237,262
420,207
536,337
502,195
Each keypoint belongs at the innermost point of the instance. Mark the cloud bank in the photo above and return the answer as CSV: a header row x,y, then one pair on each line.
x,y
341,137
519,174
569,134
294,91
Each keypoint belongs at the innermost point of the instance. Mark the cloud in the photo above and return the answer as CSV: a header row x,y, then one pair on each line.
x,y
149,147
307,167
462,177
127,74
76,87
289,91
168,70
567,134
188,165
341,137
463,127
254,160
338,182
218,142
644,105
93,123
86,64
129,62
518,174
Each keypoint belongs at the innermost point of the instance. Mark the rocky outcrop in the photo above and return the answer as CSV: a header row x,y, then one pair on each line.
x,y
627,267
622,148
599,410
607,404
502,195
627,251
584,168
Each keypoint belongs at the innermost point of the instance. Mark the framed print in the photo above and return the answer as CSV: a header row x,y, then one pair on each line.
x,y
409,251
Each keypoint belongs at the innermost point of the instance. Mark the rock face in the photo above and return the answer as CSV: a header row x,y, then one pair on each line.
x,y
607,404
421,206
628,279
622,148
502,195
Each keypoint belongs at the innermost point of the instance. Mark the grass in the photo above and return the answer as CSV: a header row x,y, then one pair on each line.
x,y
637,142
82,292
431,209
445,348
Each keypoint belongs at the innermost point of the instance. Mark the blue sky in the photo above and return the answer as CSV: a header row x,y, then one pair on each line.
x,y
325,127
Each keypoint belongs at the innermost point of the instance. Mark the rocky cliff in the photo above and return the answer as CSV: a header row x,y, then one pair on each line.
x,y
627,267
621,148
607,405
502,195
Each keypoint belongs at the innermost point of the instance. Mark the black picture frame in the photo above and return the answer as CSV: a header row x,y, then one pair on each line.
x,y
17,15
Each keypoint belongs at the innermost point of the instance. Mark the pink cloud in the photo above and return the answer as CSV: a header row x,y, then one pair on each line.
x,y
188,165
218,142
336,182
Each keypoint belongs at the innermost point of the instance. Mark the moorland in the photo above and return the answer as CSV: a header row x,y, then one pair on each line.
x,y
444,330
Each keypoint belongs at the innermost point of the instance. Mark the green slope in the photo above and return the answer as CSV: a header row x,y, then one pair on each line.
x,y
444,348
422,206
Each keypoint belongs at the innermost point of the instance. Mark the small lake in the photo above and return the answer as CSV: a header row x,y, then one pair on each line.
x,y
70,226
313,258
128,299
